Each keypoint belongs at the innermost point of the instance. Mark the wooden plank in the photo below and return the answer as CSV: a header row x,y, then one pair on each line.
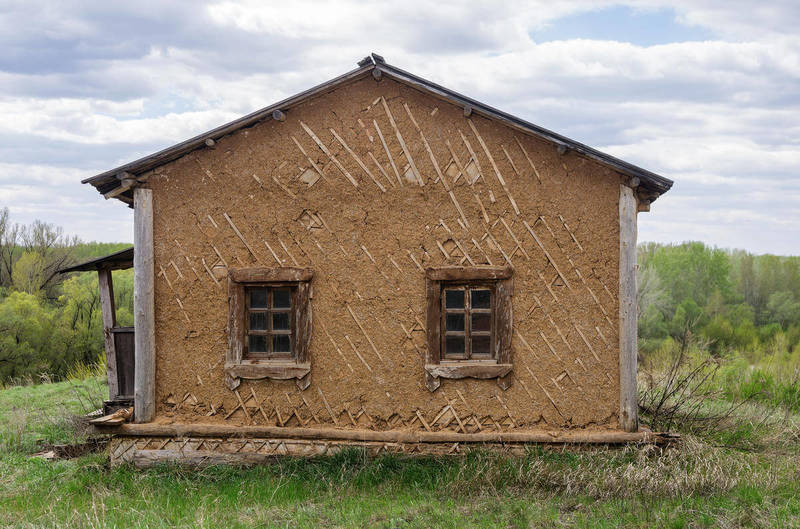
x,y
109,322
628,397
255,370
468,369
357,159
144,306
461,273
265,275
402,436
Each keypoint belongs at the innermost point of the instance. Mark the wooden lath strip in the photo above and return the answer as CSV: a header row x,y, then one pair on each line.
x,y
388,154
546,253
280,263
474,158
411,255
285,189
499,248
357,159
511,233
285,249
399,136
494,166
381,169
564,223
539,178
310,160
549,345
209,271
479,247
435,164
526,344
586,342
328,406
547,285
329,154
241,237
458,244
336,346
510,161
364,332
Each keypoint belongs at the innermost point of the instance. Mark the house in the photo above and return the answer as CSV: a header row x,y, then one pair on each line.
x,y
380,261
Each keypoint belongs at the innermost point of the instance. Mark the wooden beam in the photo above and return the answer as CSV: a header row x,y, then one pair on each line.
x,y
392,436
143,306
628,396
109,322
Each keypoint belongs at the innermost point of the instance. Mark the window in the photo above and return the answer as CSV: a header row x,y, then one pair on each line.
x,y
269,322
469,324
269,325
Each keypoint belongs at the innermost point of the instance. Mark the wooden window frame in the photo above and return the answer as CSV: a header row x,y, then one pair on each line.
x,y
499,367
238,365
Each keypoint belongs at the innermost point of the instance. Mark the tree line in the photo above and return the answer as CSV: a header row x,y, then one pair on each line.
x,y
688,294
724,300
50,321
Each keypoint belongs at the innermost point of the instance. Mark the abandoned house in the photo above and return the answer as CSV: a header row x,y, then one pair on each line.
x,y
377,261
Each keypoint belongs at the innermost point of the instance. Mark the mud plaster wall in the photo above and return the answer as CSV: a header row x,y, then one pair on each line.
x,y
368,245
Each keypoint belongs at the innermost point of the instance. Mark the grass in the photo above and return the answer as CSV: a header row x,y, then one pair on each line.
x,y
743,472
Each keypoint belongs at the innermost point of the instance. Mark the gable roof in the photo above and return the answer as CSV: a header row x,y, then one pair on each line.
x,y
111,185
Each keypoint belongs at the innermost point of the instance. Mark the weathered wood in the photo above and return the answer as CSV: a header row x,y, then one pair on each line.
x,y
278,115
143,306
109,322
402,436
236,304
268,275
472,273
255,369
504,330
468,369
628,397
210,143
433,325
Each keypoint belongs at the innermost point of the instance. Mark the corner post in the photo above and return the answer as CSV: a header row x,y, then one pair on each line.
x,y
109,322
628,348
143,306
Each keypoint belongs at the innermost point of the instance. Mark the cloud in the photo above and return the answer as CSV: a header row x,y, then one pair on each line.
x,y
86,87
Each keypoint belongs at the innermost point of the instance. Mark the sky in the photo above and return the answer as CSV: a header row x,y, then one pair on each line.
x,y
706,93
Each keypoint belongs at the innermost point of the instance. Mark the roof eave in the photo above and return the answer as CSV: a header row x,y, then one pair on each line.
x,y
109,181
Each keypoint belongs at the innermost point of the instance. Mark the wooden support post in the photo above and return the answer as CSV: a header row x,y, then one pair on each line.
x,y
109,322
628,396
143,306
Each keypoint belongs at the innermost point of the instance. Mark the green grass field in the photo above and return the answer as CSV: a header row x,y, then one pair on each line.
x,y
744,473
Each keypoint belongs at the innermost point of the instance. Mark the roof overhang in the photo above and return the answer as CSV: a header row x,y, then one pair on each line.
x,y
120,260
118,182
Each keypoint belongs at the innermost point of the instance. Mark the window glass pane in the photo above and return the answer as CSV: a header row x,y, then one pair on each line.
x,y
258,298
280,321
481,299
258,321
281,298
257,344
454,299
280,343
454,345
454,322
481,321
481,345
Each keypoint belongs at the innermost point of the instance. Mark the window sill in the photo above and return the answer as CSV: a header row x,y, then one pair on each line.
x,y
274,369
468,369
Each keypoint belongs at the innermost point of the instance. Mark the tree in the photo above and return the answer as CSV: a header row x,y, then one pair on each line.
x,y
783,308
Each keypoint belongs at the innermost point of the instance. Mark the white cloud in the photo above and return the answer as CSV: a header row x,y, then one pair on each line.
x,y
82,86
